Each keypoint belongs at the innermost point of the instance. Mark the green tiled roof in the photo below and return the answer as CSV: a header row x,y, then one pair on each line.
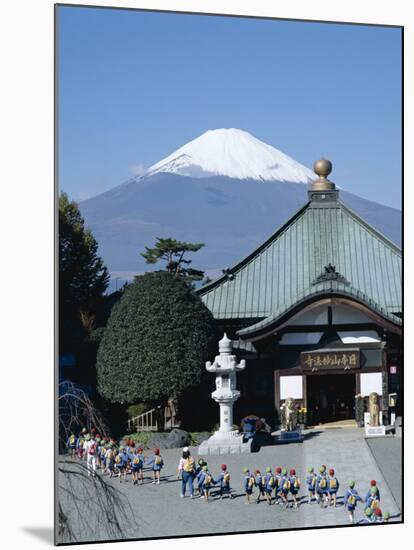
x,y
284,268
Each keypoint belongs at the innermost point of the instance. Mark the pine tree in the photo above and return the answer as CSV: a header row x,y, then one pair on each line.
x,y
172,252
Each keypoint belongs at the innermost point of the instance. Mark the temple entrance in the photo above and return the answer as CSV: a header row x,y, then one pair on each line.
x,y
330,397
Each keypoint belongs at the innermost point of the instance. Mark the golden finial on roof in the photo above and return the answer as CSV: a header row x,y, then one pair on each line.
x,y
322,168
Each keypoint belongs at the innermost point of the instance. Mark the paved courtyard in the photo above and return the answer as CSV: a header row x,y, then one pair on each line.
x,y
159,510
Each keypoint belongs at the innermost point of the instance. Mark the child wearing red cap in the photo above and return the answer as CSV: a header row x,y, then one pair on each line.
x,y
224,480
333,486
157,463
294,486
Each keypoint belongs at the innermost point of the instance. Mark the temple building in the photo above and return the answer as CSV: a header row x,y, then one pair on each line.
x,y
316,311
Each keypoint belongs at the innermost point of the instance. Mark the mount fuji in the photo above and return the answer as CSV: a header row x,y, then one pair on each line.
x,y
225,188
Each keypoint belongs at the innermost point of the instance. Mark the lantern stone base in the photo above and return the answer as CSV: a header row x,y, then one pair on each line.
x,y
293,436
225,443
375,431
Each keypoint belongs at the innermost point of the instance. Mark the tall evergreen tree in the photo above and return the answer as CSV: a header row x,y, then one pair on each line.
x,y
83,277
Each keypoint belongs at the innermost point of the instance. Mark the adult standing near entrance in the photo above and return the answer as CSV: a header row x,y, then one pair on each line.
x,y
187,468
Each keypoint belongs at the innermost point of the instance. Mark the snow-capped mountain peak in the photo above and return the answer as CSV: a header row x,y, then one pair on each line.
x,y
233,153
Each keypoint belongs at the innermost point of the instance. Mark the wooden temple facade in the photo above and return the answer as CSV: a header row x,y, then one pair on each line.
x,y
316,311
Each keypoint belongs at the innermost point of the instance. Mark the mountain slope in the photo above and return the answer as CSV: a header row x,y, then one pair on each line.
x,y
231,216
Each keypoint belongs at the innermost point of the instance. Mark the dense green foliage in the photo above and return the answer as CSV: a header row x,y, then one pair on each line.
x,y
83,277
173,252
156,342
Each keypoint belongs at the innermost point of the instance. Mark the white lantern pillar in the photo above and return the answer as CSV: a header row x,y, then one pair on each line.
x,y
225,439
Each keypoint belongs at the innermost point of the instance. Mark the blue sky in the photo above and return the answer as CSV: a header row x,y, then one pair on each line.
x,y
134,86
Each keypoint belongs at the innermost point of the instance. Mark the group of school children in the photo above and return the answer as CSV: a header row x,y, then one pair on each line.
x,y
322,487
273,487
104,454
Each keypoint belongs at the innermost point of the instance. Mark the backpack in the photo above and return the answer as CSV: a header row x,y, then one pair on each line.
x,y
296,483
251,482
286,485
226,478
72,440
117,459
207,479
271,481
92,449
322,483
313,481
158,460
333,484
136,460
374,504
351,500
189,465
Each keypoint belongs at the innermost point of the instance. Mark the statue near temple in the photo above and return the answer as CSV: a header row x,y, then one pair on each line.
x,y
290,417
171,413
374,409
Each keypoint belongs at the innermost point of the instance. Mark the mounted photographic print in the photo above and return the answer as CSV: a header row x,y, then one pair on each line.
x,y
229,193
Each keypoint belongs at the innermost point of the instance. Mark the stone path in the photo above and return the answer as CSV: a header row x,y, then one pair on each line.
x,y
387,453
159,510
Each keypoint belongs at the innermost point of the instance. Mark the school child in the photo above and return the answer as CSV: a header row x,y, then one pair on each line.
x,y
322,487
351,499
385,517
259,483
91,450
333,486
368,516
121,462
269,484
136,466
311,483
71,445
157,464
110,460
80,442
373,483
294,486
284,487
248,484
207,482
372,501
278,477
224,480
140,470
99,448
199,468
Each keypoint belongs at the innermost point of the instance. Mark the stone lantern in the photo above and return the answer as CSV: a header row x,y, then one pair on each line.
x,y
225,440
